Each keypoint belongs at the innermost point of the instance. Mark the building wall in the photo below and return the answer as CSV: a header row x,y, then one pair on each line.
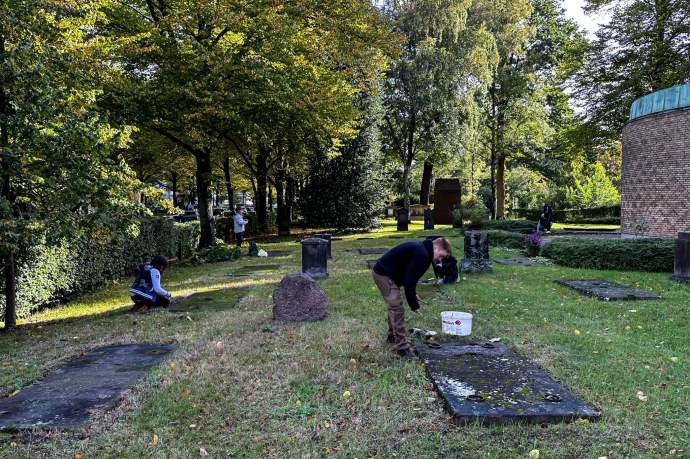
x,y
655,182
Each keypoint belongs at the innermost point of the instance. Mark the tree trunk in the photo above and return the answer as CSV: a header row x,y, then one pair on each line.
x,y
500,187
228,182
290,197
282,217
427,176
494,138
173,180
10,292
270,198
203,183
261,182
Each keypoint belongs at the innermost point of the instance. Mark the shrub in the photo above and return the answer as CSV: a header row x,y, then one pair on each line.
x,y
508,239
217,253
571,215
49,274
653,255
473,211
515,226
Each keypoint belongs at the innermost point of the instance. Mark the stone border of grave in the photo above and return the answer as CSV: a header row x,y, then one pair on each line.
x,y
635,293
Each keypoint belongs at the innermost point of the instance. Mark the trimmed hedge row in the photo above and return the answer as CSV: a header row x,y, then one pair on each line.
x,y
508,239
571,215
652,255
515,226
50,274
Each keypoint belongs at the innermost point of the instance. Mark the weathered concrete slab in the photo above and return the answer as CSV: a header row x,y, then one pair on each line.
x,y
279,253
606,290
94,381
517,262
371,263
372,250
257,269
491,384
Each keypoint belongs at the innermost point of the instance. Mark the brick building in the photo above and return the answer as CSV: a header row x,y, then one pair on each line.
x,y
655,182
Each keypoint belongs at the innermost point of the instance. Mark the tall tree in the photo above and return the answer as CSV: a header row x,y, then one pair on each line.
x,y
644,47
441,63
59,157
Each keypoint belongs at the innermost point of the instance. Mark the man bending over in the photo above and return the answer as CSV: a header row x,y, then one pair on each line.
x,y
403,266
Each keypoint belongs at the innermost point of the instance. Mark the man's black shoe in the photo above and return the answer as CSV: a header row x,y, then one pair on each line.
x,y
406,354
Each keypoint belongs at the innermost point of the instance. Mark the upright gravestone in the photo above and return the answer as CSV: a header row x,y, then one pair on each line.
x,y
476,253
327,238
403,219
681,261
315,258
428,219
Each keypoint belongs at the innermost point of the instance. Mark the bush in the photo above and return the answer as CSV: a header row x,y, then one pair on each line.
x,y
515,226
217,253
508,239
571,215
49,274
652,255
473,211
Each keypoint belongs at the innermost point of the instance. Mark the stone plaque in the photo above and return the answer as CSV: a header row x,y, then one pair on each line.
x,y
93,381
315,258
606,290
491,384
476,253
372,250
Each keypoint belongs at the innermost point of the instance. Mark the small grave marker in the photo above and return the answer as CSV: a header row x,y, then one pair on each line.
x,y
372,250
279,253
403,219
476,253
606,290
315,258
490,383
93,381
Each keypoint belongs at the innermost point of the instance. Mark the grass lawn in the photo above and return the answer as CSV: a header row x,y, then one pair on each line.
x,y
239,385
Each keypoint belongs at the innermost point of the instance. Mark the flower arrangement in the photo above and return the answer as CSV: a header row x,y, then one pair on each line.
x,y
533,243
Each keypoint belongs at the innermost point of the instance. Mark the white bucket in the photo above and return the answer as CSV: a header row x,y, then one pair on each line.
x,y
456,323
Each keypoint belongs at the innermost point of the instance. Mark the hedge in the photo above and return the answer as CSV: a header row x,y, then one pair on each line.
x,y
508,239
515,226
50,274
571,215
652,255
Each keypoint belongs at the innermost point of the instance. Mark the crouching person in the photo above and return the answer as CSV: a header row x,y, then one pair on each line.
x,y
146,290
403,266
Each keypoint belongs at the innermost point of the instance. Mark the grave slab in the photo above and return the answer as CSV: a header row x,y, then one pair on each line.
x,y
606,290
201,302
371,263
491,384
363,238
372,250
395,237
517,262
279,253
93,381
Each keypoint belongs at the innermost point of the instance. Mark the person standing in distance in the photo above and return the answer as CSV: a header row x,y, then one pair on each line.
x,y
403,266
239,222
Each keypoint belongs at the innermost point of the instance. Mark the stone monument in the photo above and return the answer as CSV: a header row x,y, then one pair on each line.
x,y
428,219
476,253
315,257
299,298
403,219
681,258
327,238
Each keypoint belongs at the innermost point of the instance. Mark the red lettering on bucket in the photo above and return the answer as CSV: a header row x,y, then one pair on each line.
x,y
457,322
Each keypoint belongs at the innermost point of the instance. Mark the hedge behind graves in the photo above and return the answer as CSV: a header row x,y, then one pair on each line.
x,y
50,274
653,255
516,226
508,239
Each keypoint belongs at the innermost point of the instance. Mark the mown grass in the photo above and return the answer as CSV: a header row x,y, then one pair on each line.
x,y
239,385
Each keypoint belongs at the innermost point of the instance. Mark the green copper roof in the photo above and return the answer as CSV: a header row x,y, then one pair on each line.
x,y
660,101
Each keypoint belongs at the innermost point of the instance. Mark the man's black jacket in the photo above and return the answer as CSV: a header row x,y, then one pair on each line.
x,y
405,265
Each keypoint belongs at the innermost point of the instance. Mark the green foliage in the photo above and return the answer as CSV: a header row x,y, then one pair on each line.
x,y
515,226
508,239
217,253
650,255
50,272
606,214
473,211
592,188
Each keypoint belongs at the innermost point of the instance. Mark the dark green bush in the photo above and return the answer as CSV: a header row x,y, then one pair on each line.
x,y
515,226
217,253
570,215
50,273
508,239
599,221
653,255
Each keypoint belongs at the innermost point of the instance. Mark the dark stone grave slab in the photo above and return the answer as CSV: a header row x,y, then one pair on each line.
x,y
336,239
371,263
517,262
315,257
395,237
279,253
257,269
363,238
372,250
93,381
491,384
605,290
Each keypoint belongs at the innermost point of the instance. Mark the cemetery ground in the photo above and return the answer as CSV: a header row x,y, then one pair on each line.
x,y
239,384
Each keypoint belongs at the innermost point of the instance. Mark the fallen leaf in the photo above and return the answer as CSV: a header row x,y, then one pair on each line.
x,y
192,426
494,340
13,393
582,421
576,332
674,359
173,365
642,396
627,327
347,394
13,444
534,454
202,452
77,455
154,440
326,424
